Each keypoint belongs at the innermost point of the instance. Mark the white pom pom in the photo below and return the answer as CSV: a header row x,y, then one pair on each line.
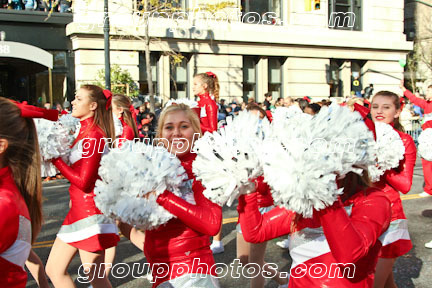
x,y
304,154
54,139
132,172
70,123
389,148
190,103
227,159
425,144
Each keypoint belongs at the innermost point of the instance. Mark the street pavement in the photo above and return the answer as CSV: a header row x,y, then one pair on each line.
x,y
411,270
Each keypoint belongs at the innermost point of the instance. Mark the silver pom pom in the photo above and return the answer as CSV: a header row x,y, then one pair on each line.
x,y
132,177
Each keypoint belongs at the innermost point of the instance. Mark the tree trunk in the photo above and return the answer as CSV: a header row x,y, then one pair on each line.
x,y
147,57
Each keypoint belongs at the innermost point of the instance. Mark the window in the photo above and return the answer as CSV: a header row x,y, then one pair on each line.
x,y
179,80
249,77
275,76
143,85
167,4
345,14
261,12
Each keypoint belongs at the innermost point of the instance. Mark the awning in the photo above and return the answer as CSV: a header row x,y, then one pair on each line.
x,y
27,52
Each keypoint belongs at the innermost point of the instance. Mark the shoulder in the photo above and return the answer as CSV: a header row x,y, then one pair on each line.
x,y
374,195
8,205
96,132
406,139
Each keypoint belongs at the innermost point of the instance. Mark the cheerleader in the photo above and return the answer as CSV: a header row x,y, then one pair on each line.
x,y
125,112
206,87
361,215
85,230
20,188
427,106
254,252
385,107
184,240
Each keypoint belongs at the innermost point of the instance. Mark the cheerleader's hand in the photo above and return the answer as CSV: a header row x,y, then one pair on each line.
x,y
248,187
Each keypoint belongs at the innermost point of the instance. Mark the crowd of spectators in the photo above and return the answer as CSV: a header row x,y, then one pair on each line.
x,y
62,6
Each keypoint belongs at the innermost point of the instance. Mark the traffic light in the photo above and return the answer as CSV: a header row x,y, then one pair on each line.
x,y
317,4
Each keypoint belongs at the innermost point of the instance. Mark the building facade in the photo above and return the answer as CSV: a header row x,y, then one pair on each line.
x,y
290,48
36,59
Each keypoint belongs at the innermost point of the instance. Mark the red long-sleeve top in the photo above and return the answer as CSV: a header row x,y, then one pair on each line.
x,y
128,133
208,113
344,233
82,175
185,237
15,236
422,103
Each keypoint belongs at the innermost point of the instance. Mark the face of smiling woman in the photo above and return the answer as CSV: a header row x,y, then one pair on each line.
x,y
82,107
383,109
178,132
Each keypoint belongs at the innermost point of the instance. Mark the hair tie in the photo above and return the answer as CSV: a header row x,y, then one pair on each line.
x,y
108,95
29,111
307,98
211,74
132,110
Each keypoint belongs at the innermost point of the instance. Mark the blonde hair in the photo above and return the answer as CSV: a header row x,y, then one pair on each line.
x,y
190,114
23,158
125,103
212,84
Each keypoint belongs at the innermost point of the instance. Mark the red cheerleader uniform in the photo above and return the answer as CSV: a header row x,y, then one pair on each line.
x,y
344,233
208,113
15,237
427,107
396,240
186,237
85,227
128,133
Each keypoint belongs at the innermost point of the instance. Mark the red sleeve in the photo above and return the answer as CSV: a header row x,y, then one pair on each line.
x,y
128,133
209,123
401,178
204,217
9,223
415,100
212,114
257,228
86,177
350,238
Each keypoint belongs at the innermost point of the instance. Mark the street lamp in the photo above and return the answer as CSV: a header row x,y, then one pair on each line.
x,y
107,47
2,35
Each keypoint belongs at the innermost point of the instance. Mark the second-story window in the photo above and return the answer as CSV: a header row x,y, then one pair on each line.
x,y
345,14
261,12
